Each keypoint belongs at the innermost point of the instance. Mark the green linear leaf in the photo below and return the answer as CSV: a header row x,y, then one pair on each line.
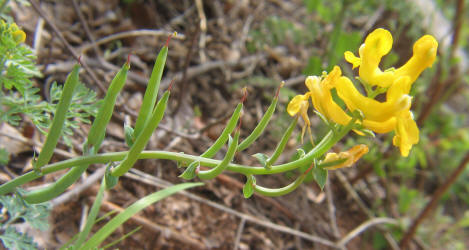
x,y
138,206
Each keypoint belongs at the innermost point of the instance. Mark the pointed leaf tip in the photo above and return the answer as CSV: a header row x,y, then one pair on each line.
x,y
245,94
278,88
169,38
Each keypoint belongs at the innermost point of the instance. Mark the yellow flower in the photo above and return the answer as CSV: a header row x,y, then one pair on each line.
x,y
19,36
350,156
372,109
407,132
424,54
377,44
320,92
299,105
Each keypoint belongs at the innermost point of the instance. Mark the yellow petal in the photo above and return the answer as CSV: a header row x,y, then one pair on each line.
x,y
299,105
424,54
401,86
294,105
371,109
380,127
377,44
321,97
351,156
19,36
311,80
351,58
407,133
379,41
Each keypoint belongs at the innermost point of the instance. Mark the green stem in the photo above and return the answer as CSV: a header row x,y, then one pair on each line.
x,y
260,127
55,189
322,147
92,215
273,192
281,145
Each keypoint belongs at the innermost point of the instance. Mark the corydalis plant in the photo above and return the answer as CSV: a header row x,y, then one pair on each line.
x,y
364,115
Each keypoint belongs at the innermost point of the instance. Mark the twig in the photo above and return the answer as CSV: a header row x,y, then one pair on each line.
x,y
203,30
155,227
239,233
34,143
154,181
363,207
67,45
183,81
331,208
362,227
87,28
211,65
434,201
439,86
294,81
121,35
38,35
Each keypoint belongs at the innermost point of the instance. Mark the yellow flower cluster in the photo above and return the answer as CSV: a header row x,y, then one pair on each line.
x,y
18,35
381,117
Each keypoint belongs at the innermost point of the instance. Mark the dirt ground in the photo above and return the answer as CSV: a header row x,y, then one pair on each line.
x,y
209,63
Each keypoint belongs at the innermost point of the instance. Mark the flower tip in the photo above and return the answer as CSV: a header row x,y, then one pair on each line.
x,y
379,41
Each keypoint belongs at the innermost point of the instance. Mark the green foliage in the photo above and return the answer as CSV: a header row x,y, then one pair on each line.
x,y
4,156
15,210
275,31
20,98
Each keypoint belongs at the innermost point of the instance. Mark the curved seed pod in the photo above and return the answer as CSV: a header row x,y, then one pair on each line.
x,y
281,145
210,152
143,138
212,173
260,127
59,119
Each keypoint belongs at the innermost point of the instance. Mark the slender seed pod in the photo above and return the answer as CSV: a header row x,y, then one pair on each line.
x,y
281,145
95,138
98,129
260,127
59,119
212,173
143,138
151,92
210,152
